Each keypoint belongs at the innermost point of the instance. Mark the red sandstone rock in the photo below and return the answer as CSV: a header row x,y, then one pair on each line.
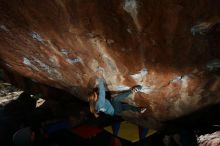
x,y
167,46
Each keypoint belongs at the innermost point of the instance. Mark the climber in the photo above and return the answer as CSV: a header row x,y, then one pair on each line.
x,y
114,106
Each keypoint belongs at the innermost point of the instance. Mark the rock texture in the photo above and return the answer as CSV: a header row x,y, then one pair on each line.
x,y
170,47
212,139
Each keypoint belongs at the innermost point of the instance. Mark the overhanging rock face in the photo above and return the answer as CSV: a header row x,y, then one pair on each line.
x,y
169,47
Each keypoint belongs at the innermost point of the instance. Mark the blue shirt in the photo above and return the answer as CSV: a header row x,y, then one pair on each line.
x,y
102,103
